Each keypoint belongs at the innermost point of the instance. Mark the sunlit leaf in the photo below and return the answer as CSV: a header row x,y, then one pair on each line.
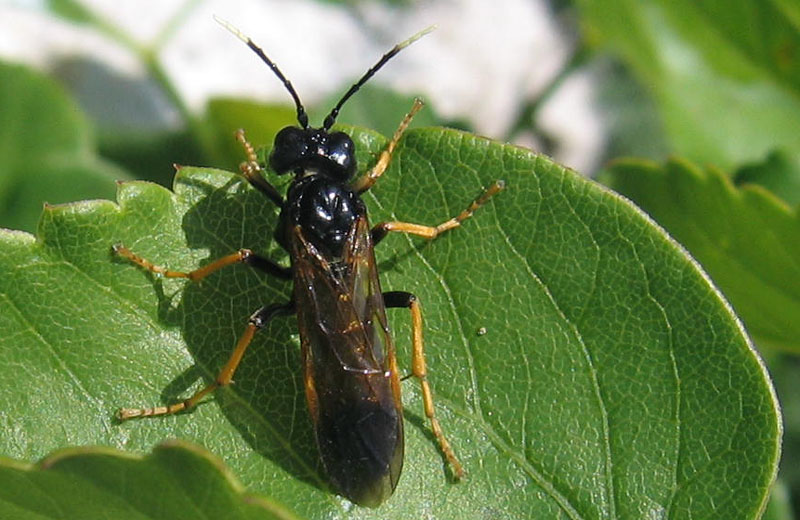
x,y
609,378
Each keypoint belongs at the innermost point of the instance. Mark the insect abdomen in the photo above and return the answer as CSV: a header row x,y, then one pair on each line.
x,y
361,446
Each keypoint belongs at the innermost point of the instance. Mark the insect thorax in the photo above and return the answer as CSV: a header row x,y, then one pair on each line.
x,y
325,209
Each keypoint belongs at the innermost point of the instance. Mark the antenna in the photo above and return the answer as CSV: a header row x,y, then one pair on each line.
x,y
302,117
386,57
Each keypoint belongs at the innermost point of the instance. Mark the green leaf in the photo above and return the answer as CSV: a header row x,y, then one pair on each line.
x,y
261,121
724,74
177,480
778,173
609,379
46,149
71,10
747,239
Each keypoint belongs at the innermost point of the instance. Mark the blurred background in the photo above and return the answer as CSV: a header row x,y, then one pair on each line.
x,y
150,75
95,91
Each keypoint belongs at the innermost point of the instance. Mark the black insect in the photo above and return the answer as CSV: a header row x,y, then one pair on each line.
x,y
351,377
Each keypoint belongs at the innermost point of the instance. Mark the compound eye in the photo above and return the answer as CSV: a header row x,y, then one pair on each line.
x,y
341,151
289,150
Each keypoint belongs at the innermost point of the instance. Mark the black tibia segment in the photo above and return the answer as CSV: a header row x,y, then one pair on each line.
x,y
268,266
265,187
378,233
262,316
396,299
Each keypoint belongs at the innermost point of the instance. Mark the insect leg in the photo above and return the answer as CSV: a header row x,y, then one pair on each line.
x,y
364,183
251,171
257,321
244,256
379,231
419,371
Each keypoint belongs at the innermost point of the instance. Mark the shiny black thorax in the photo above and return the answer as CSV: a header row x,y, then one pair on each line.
x,y
325,209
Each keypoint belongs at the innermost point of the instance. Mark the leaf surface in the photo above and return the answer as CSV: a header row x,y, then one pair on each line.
x,y
747,239
582,365
175,481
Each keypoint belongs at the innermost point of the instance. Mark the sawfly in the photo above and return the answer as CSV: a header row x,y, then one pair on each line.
x,y
352,381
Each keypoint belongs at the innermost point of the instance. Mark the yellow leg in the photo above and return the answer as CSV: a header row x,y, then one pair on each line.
x,y
250,167
195,276
251,171
364,183
420,371
244,256
257,321
379,231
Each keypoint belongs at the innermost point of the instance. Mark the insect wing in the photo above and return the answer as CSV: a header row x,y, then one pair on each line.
x,y
351,379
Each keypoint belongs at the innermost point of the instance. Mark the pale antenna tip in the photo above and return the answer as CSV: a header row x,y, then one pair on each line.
x,y
417,36
231,28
